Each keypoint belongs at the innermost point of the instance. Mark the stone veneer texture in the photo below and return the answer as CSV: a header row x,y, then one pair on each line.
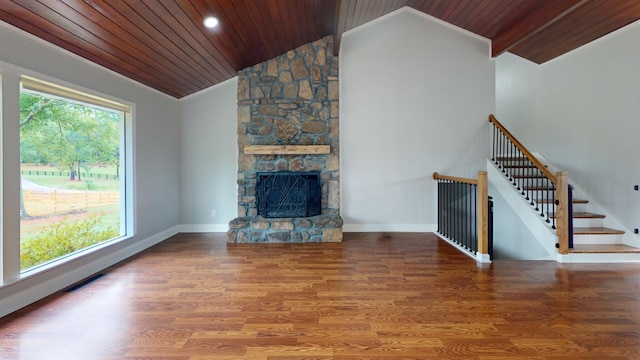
x,y
289,100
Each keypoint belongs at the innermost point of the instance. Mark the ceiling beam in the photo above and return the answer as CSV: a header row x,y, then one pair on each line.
x,y
540,18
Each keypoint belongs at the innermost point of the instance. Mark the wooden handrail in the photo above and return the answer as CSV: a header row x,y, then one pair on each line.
x,y
524,150
437,176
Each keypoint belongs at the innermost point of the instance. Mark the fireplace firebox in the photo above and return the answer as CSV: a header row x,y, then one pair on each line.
x,y
287,194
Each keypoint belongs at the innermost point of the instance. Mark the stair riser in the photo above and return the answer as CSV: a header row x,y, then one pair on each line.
x,y
540,183
513,162
603,258
579,207
530,181
593,239
520,174
521,169
539,194
590,222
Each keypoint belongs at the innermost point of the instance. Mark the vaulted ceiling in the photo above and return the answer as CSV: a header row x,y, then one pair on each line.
x,y
163,44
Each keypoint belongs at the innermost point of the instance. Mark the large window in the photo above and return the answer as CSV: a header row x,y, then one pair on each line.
x,y
72,171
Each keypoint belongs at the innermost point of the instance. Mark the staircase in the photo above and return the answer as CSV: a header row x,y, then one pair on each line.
x,y
590,235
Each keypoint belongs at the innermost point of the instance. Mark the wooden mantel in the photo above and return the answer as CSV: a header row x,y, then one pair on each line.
x,y
287,149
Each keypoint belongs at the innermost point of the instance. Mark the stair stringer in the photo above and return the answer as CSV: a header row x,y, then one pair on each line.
x,y
540,230
610,221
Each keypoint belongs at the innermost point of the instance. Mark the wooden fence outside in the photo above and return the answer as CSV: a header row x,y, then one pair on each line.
x,y
83,175
41,203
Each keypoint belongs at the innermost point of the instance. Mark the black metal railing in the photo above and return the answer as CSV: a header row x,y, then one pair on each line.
x,y
457,213
490,227
465,213
570,211
531,178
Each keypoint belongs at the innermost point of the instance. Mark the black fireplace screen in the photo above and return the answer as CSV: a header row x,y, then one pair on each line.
x,y
288,194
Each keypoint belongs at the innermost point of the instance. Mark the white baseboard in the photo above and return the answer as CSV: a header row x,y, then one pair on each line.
x,y
483,258
203,228
599,258
480,258
390,227
31,288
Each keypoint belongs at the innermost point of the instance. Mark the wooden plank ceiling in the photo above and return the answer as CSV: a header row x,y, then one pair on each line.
x,y
163,44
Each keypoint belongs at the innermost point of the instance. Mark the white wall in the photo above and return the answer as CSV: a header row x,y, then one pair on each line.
x,y
155,164
519,232
517,83
585,116
415,96
209,158
512,239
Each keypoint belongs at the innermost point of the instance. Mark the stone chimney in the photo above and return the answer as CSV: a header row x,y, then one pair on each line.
x,y
292,102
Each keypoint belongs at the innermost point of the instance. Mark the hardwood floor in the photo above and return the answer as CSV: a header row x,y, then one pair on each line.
x,y
374,296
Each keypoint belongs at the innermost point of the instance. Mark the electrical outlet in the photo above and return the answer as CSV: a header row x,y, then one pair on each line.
x,y
635,231
213,213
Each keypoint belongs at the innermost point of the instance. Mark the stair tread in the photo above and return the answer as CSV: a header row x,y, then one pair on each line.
x,y
583,215
526,166
514,158
604,248
511,157
538,188
521,176
575,201
587,215
596,231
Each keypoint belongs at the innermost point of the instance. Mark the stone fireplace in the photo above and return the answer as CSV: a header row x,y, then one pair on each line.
x,y
288,125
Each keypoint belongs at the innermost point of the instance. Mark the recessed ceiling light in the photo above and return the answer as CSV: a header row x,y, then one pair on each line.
x,y
211,22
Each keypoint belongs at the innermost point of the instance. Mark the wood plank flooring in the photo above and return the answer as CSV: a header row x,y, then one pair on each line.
x,y
374,296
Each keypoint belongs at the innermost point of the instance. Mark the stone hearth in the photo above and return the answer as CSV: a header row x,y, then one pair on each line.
x,y
289,100
321,228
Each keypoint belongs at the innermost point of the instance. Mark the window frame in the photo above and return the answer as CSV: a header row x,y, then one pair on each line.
x,y
11,77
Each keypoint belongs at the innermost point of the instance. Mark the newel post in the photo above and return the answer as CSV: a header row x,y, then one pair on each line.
x,y
562,212
483,213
